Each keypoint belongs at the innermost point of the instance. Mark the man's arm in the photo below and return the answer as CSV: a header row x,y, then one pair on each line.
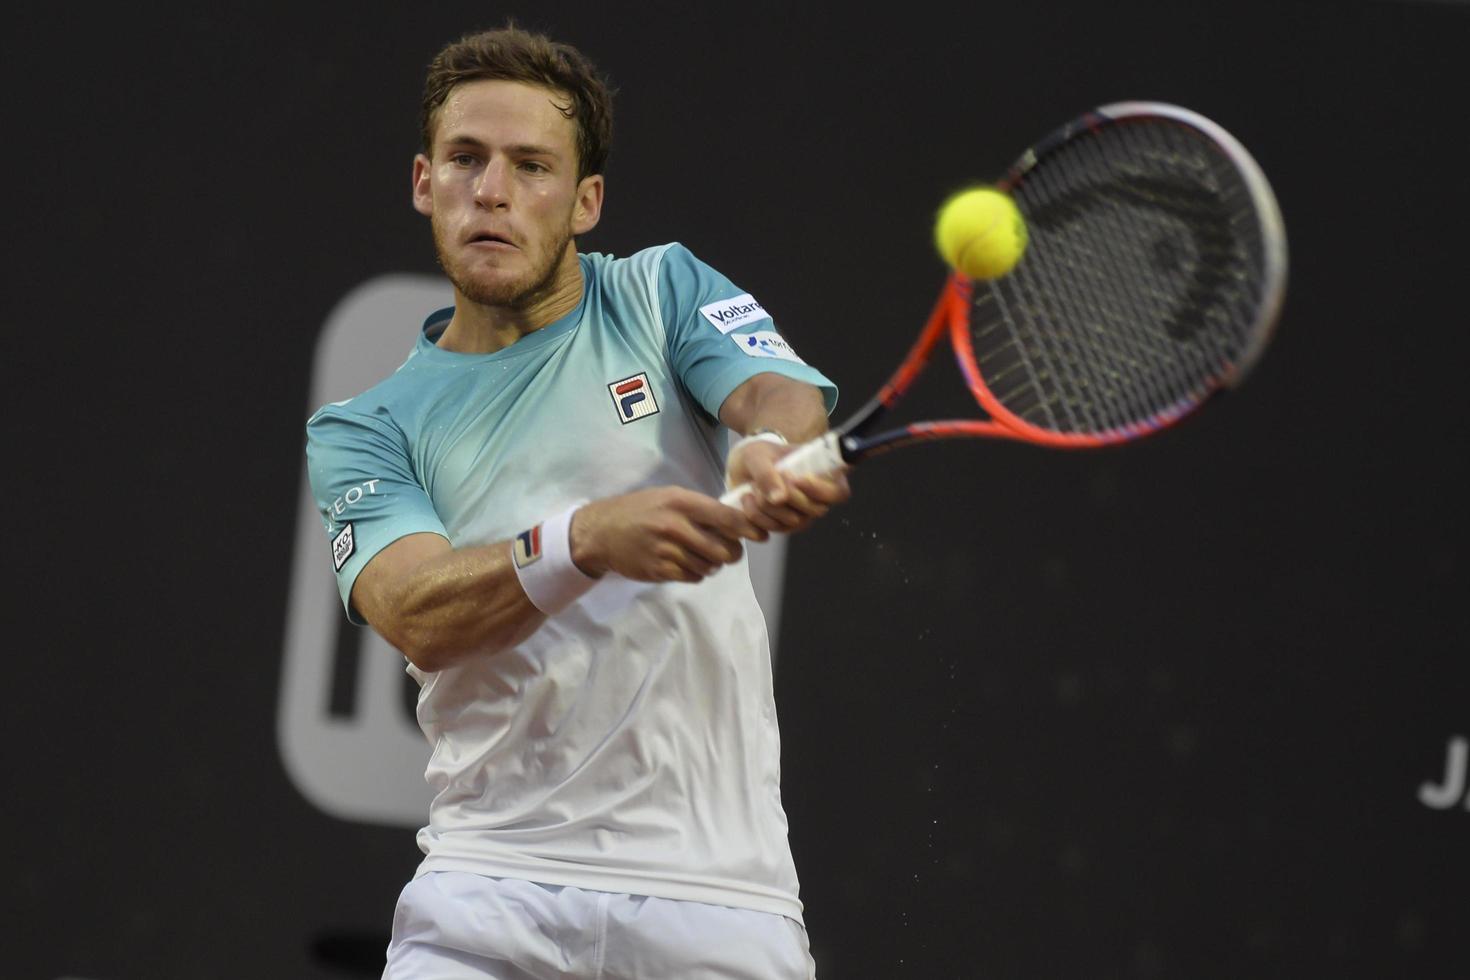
x,y
795,410
438,604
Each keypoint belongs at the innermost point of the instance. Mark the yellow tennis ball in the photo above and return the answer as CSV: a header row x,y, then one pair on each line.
x,y
980,232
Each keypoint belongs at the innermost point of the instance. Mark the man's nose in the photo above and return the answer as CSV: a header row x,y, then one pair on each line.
x,y
493,189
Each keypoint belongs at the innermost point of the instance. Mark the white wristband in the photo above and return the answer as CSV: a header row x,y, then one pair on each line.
x,y
542,556
763,435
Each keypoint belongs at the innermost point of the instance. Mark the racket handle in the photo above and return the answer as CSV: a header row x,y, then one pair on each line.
x,y
822,455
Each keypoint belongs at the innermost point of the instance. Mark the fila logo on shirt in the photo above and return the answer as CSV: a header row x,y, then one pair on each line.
x,y
633,398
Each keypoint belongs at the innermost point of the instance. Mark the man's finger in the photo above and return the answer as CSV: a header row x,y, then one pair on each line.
x,y
825,489
732,522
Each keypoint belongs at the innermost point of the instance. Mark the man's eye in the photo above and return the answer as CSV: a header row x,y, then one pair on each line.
x,y
462,159
534,167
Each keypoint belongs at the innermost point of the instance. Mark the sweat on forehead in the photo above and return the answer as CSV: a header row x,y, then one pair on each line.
x,y
496,99
484,117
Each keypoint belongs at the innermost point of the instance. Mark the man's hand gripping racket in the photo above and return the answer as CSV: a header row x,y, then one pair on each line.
x,y
1152,280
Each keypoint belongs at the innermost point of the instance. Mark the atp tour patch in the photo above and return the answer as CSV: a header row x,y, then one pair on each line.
x,y
633,398
343,545
728,314
527,549
766,343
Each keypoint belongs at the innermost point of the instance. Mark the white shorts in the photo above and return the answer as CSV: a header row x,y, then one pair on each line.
x,y
452,925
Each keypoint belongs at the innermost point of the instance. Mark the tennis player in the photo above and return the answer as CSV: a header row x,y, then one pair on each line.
x,y
527,510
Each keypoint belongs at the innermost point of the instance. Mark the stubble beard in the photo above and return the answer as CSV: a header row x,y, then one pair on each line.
x,y
518,293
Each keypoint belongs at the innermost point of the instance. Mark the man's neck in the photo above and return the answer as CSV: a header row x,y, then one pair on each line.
x,y
477,328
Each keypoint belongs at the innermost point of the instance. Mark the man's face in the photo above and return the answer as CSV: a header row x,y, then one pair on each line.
x,y
502,191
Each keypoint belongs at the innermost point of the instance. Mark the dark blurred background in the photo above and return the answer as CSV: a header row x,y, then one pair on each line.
x,y
1192,708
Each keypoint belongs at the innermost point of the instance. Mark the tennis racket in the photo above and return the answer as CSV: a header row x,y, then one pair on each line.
x,y
1152,281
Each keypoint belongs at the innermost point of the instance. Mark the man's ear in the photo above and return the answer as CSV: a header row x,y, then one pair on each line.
x,y
588,209
423,198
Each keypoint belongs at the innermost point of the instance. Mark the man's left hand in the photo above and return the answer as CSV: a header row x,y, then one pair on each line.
x,y
781,502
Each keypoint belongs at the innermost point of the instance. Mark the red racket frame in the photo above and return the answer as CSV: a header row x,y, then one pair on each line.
x,y
951,315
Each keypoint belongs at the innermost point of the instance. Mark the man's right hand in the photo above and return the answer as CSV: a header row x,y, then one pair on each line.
x,y
664,534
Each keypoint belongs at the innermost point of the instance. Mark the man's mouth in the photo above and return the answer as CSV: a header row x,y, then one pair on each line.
x,y
490,238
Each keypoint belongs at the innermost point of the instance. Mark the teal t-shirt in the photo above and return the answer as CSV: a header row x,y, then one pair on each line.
x,y
620,394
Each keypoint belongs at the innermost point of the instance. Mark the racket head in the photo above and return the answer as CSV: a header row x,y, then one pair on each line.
x,y
1153,279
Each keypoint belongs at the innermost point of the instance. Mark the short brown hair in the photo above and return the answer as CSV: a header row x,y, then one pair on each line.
x,y
523,56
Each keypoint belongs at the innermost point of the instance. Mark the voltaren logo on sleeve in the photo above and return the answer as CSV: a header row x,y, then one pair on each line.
x,y
728,314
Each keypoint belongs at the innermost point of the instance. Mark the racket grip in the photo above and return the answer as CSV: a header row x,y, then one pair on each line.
x,y
822,455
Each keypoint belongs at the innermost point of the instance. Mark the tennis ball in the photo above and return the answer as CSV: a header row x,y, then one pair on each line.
x,y
980,232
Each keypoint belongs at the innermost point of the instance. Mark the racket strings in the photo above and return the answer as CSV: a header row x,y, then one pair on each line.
x,y
1055,356
1100,388
1140,348
1131,291
1067,367
1139,288
1036,373
1042,374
